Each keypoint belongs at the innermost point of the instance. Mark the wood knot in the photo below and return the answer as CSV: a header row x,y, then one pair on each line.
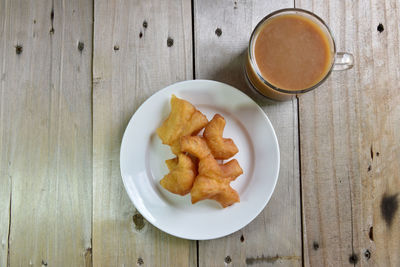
x,y
18,49
138,221
389,206
170,42
353,259
81,45
140,261
315,245
228,259
218,32
380,28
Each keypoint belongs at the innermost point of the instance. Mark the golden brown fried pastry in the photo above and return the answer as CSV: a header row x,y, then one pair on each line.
x,y
182,173
221,148
193,127
231,169
171,163
183,120
195,145
212,182
198,172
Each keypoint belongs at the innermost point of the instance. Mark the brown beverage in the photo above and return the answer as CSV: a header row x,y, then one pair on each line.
x,y
291,52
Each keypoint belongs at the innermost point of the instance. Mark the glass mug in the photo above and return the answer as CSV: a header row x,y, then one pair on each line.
x,y
280,60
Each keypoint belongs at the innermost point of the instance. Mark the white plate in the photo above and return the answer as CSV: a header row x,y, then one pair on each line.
x,y
142,161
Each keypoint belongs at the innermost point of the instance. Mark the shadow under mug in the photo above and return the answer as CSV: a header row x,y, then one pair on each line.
x,y
339,60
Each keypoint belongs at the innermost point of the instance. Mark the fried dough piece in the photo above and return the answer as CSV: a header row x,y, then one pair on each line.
x,y
212,182
231,169
195,145
221,148
182,173
181,112
171,163
197,122
183,120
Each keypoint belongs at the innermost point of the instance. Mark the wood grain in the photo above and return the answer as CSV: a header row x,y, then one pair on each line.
x,y
45,131
222,31
349,142
5,182
139,48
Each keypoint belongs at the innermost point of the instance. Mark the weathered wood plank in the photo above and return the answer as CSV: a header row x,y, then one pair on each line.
x,y
350,142
222,31
4,175
139,48
45,130
5,184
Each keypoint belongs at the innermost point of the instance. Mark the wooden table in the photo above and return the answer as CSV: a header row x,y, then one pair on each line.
x,y
73,73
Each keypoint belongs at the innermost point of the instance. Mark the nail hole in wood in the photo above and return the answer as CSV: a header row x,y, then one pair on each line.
x,y
34,21
18,49
369,167
315,245
170,42
44,263
242,238
140,261
228,259
372,153
377,154
140,35
145,24
353,259
367,254
52,19
380,28
81,45
116,47
235,6
218,32
371,233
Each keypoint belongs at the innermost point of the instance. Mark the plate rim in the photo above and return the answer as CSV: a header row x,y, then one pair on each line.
x,y
255,214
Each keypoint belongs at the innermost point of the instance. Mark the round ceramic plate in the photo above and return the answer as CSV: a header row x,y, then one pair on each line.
x,y
143,158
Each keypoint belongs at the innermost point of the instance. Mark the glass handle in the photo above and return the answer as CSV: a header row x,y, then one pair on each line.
x,y
343,61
